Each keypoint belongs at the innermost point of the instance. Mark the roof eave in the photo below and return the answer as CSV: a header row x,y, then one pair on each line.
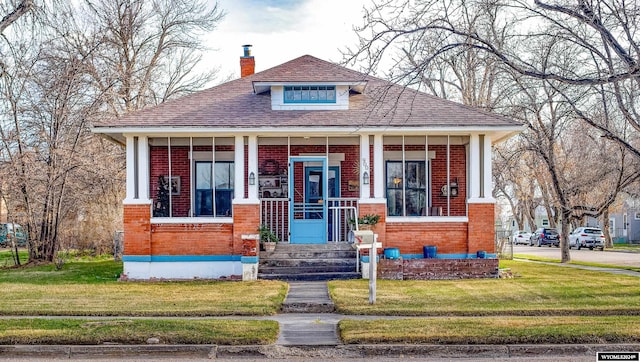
x,y
119,134
264,86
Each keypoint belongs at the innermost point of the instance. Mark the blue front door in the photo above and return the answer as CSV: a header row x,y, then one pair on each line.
x,y
308,192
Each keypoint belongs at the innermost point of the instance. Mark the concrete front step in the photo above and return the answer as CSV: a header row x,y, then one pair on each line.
x,y
302,262
308,262
264,271
308,254
310,276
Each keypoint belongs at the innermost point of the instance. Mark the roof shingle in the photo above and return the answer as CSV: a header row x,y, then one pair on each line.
x,y
235,105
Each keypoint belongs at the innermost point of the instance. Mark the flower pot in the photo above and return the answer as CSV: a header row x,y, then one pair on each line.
x,y
365,227
269,246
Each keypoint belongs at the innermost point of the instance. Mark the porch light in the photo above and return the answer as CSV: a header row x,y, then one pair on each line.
x,y
365,178
252,178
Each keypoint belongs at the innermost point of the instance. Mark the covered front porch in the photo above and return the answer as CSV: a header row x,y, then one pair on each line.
x,y
309,189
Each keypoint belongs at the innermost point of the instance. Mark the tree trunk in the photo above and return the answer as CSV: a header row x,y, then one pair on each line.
x,y
608,242
564,240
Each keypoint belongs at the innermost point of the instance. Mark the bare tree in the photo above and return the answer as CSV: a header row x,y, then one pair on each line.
x,y
90,61
143,52
584,54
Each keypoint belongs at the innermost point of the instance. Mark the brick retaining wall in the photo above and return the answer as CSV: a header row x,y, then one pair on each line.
x,y
437,269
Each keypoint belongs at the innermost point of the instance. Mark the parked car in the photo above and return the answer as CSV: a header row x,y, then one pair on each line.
x,y
521,237
11,231
586,237
545,236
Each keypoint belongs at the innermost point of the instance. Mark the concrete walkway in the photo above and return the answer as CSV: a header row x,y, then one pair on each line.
x,y
303,324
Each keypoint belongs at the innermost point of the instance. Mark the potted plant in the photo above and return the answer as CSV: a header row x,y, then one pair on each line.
x,y
268,238
367,222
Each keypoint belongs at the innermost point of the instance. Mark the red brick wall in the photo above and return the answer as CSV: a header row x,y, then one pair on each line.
x,y
137,229
381,226
410,238
179,167
457,171
191,239
279,154
481,228
246,220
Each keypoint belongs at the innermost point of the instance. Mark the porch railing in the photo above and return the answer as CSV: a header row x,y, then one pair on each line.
x,y
274,213
343,213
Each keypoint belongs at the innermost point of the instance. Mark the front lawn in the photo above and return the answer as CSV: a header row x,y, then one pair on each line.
x,y
495,330
136,331
90,288
537,289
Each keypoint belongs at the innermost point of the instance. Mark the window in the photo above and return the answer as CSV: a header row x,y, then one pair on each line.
x,y
406,196
310,94
222,189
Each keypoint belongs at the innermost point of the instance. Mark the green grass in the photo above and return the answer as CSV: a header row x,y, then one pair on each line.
x,y
504,330
627,247
536,290
136,331
542,304
6,258
90,288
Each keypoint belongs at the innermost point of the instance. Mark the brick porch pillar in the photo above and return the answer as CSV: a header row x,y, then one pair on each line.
x,y
246,220
137,230
481,227
365,208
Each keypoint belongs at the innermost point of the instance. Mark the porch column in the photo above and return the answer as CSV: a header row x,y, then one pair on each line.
x,y
474,166
143,168
365,170
481,229
238,187
131,169
487,177
253,167
378,167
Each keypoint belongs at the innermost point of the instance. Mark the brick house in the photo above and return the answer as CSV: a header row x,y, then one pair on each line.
x,y
301,148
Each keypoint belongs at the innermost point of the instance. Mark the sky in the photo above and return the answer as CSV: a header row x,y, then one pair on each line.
x,y
281,30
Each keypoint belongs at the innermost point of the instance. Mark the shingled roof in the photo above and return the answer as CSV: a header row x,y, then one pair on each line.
x,y
236,105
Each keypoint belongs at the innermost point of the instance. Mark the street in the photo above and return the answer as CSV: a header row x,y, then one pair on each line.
x,y
584,255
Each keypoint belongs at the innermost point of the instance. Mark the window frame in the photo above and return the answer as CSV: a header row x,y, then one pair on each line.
x,y
309,89
214,192
404,188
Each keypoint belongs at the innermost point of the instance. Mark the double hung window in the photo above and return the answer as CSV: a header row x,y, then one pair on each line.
x,y
213,198
406,188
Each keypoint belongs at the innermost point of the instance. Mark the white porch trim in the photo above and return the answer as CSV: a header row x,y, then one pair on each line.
x,y
365,169
238,187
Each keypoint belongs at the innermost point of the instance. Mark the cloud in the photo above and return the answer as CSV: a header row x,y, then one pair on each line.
x,y
281,30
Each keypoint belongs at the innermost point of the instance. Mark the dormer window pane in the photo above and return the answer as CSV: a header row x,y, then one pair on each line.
x,y
288,95
331,93
310,94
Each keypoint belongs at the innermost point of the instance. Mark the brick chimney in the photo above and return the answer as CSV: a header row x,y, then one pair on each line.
x,y
247,62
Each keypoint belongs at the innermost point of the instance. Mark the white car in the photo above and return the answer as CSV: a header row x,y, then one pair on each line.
x,y
521,237
586,237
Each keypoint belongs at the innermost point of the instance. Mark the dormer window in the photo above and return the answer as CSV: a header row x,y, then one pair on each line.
x,y
310,94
